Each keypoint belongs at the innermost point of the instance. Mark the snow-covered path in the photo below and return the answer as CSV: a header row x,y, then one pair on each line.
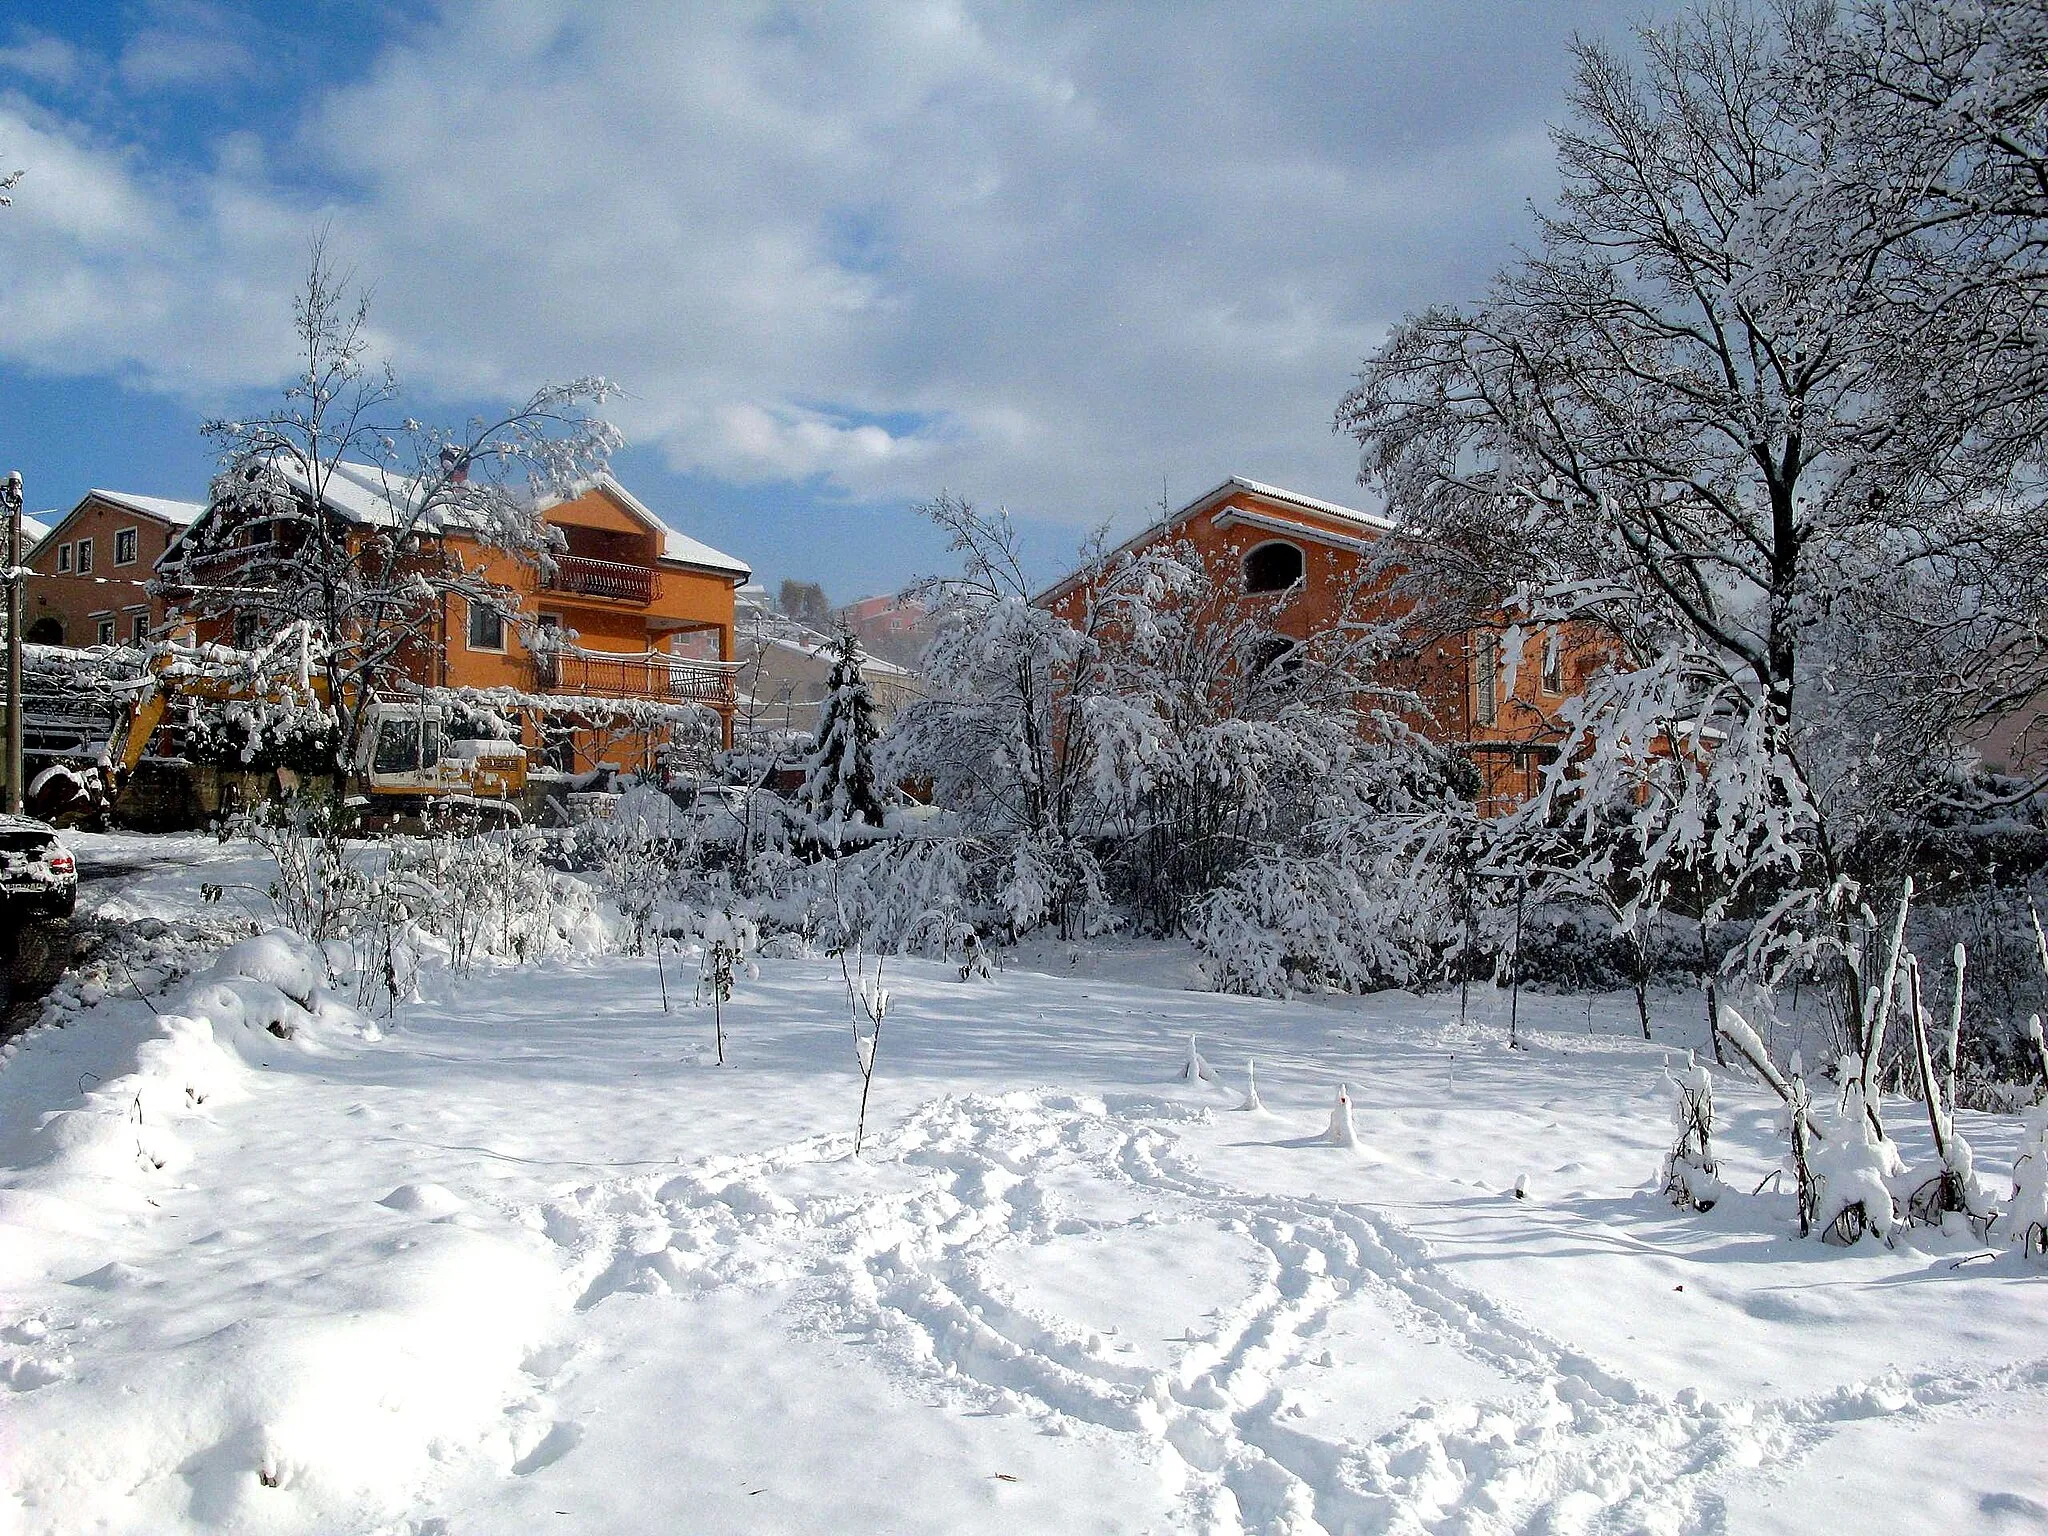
x,y
532,1263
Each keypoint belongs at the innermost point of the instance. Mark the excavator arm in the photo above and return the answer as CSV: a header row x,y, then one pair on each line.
x,y
145,714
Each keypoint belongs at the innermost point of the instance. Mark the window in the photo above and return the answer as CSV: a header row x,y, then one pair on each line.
x,y
138,628
105,628
63,557
1272,568
1553,663
1486,679
398,747
247,627
85,557
124,547
486,628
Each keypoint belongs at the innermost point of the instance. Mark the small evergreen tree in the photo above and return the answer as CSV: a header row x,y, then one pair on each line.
x,y
839,789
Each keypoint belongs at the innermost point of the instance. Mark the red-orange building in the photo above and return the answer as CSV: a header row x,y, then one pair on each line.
x,y
1312,556
622,613
92,569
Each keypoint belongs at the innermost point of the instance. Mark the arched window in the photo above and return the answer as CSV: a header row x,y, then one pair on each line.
x,y
1272,568
45,631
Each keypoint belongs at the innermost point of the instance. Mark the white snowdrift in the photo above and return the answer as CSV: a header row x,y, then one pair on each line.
x,y
409,1330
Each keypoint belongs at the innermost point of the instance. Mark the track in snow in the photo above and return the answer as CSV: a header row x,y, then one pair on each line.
x,y
903,1264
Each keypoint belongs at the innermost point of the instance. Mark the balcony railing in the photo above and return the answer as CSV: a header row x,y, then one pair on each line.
x,y
601,578
645,675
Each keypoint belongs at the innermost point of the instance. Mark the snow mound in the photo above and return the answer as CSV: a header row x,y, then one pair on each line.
x,y
294,966
424,1200
1342,1133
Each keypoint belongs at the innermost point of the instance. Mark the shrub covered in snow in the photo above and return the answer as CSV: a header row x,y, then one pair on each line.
x,y
1691,1177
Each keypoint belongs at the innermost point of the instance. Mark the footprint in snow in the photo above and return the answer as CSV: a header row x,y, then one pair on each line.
x,y
558,1442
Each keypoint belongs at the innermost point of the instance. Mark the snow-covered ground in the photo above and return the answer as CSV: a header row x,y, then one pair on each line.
x,y
523,1259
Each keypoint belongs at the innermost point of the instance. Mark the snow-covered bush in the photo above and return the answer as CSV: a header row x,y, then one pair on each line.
x,y
1691,1177
1363,896
447,897
1853,1169
2025,1222
729,938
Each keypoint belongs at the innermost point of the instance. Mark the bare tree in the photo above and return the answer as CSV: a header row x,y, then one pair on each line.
x,y
337,508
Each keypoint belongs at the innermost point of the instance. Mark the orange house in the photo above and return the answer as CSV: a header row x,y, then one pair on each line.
x,y
626,632
1312,557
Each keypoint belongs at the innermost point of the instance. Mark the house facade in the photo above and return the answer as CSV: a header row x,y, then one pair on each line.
x,y
599,654
1314,557
92,569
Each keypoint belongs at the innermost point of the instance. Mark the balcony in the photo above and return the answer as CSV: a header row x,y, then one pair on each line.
x,y
614,579
641,675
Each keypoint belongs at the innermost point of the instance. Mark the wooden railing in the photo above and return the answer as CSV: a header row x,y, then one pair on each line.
x,y
601,578
647,675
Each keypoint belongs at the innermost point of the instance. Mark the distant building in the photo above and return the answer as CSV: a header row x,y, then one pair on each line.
x,y
631,609
893,627
783,670
92,570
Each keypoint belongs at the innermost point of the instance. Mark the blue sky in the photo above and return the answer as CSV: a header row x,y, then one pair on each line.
x,y
839,258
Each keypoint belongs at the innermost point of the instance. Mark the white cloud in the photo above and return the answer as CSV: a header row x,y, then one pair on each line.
x,y
42,56
186,43
1041,256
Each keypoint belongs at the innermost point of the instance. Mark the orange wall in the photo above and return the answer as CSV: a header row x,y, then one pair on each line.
x,y
681,599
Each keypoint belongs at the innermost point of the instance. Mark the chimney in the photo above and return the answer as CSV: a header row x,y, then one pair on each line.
x,y
454,464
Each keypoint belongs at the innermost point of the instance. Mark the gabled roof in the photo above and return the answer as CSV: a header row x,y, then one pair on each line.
x,y
179,514
678,548
1368,524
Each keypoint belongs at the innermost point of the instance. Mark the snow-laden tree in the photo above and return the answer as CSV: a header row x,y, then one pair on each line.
x,y
1948,109
271,550
1164,736
839,791
1682,421
999,735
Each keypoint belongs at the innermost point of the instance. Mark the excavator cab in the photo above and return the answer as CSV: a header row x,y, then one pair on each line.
x,y
404,747
408,761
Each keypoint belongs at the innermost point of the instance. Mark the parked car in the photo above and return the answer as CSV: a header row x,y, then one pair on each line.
x,y
38,892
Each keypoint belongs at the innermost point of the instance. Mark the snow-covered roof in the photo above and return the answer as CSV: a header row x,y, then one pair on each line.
x,y
364,493
33,531
678,547
179,514
1293,498
1209,498
763,626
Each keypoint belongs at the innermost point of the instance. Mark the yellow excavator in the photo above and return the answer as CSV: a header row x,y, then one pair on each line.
x,y
406,768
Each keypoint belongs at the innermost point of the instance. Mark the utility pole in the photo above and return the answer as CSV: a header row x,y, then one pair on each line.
x,y
10,502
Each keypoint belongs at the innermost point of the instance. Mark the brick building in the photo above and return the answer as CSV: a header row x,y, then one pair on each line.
x,y
92,569
1310,555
